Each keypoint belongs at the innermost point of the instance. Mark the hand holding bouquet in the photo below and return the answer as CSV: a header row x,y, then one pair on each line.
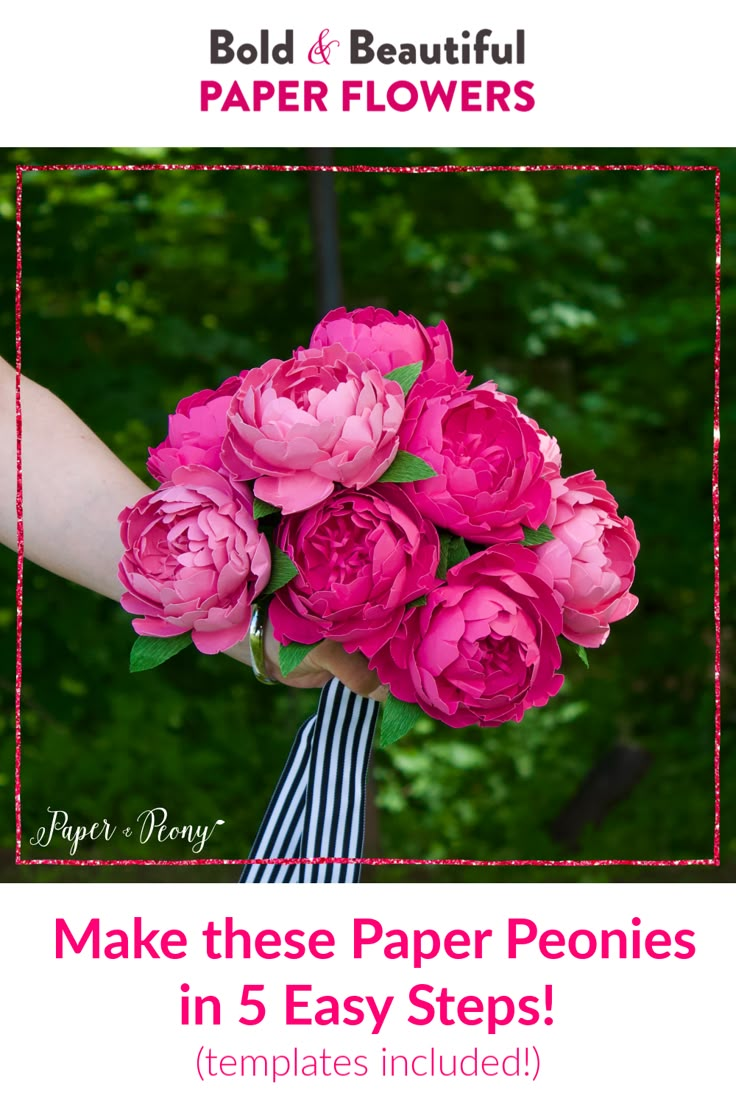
x,y
383,503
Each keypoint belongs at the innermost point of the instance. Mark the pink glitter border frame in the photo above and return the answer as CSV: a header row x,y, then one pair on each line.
x,y
715,860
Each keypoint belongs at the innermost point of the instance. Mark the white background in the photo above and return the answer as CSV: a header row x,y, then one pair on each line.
x,y
97,1030
605,74
633,72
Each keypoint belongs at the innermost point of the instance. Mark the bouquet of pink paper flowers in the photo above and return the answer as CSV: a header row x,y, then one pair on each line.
x,y
375,498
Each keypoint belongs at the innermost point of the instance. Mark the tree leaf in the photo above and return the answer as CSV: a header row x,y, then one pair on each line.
x,y
536,536
397,718
283,570
407,469
291,655
406,376
151,651
263,509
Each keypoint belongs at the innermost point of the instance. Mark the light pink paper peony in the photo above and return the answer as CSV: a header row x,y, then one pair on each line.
x,y
196,431
194,559
388,340
592,558
300,426
548,446
484,648
487,455
551,453
362,556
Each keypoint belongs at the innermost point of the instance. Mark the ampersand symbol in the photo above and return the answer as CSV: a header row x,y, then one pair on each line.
x,y
319,54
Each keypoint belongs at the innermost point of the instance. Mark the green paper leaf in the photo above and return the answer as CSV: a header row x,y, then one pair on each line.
x,y
283,570
456,552
151,651
263,509
445,541
291,655
407,469
536,536
582,653
397,718
453,550
406,376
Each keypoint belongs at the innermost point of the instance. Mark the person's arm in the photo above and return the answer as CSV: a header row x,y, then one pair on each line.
x,y
74,488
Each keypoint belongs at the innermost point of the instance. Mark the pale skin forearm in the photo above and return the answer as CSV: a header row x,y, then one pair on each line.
x,y
74,488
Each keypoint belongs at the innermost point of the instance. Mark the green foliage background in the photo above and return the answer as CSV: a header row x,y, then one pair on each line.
x,y
589,295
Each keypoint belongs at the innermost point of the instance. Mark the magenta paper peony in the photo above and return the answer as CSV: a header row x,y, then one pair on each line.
x,y
300,426
194,560
484,648
591,559
388,340
196,431
487,455
362,556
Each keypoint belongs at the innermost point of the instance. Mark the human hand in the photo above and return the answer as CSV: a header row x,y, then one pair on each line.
x,y
328,660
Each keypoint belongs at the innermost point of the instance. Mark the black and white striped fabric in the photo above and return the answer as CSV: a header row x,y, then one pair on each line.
x,y
318,807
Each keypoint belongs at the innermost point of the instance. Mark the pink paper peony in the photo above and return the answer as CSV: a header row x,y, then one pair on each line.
x,y
488,457
388,340
548,446
194,559
484,648
196,431
362,556
551,454
592,558
299,426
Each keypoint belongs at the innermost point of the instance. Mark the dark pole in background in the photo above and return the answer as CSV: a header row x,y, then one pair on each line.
x,y
326,237
325,232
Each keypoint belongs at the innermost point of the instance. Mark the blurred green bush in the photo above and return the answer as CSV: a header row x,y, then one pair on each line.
x,y
587,294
